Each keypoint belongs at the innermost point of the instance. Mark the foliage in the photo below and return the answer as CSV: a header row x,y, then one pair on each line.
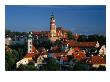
x,y
46,43
22,49
51,65
58,42
82,38
70,35
93,38
101,68
11,58
81,67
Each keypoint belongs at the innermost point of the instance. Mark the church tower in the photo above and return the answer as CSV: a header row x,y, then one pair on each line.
x,y
52,26
30,43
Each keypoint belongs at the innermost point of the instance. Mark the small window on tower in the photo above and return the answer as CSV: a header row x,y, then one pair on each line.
x,y
30,43
30,51
30,47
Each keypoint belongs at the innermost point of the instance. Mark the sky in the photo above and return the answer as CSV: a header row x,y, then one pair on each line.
x,y
81,19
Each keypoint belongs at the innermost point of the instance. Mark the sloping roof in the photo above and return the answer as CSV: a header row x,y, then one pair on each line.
x,y
59,54
97,60
76,49
80,55
80,44
29,55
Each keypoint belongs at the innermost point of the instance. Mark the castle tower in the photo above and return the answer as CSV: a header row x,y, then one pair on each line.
x,y
52,26
30,43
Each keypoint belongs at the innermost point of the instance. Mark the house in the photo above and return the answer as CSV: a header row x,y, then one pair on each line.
x,y
96,61
24,61
40,60
78,53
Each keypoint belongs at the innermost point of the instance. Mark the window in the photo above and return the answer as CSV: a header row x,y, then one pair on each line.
x,y
30,43
30,50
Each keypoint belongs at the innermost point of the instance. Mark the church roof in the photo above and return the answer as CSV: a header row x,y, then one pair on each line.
x,y
30,55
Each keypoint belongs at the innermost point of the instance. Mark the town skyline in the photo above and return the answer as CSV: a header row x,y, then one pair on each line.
x,y
57,49
36,18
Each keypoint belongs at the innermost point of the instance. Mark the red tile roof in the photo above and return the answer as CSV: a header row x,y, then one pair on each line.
x,y
29,55
55,48
97,60
59,54
80,55
76,49
34,52
62,55
80,44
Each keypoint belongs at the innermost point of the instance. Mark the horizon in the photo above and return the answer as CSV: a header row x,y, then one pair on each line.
x,y
75,18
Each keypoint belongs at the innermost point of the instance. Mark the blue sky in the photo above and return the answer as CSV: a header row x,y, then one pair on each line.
x,y
82,19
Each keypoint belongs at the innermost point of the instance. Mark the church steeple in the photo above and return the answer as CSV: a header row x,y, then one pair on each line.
x,y
52,26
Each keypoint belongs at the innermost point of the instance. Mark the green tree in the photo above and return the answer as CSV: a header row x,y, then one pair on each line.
x,y
46,43
10,61
11,58
51,65
100,38
70,35
101,68
58,42
28,67
21,50
82,38
81,67
21,67
15,55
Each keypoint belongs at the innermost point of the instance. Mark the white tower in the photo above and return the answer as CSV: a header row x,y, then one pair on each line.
x,y
30,43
